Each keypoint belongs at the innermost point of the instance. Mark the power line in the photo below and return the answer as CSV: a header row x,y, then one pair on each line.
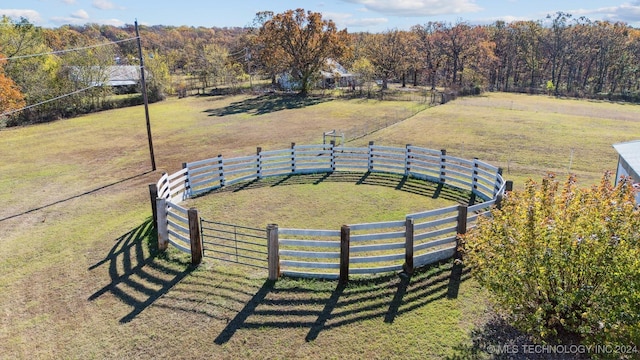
x,y
68,50
46,101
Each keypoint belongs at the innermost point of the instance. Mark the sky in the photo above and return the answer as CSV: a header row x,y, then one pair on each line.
x,y
354,15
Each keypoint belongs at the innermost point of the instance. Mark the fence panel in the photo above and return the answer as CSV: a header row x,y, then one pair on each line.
x,y
374,251
178,227
351,159
234,243
313,158
388,159
435,234
309,253
205,175
276,162
373,247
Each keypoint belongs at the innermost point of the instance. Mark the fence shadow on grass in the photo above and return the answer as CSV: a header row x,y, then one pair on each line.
x,y
294,304
402,183
267,103
139,275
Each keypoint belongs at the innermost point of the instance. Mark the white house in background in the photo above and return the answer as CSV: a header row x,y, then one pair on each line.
x,y
123,78
629,163
336,75
332,75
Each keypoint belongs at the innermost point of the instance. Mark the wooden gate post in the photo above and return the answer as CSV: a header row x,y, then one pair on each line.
x,y
273,252
163,230
153,195
194,236
461,228
345,238
408,247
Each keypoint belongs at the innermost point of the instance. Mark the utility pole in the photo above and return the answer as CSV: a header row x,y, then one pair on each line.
x,y
146,99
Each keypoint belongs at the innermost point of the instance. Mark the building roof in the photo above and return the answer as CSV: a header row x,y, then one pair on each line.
x,y
123,75
630,152
119,75
335,68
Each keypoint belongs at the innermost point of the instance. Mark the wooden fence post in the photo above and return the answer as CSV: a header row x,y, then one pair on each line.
x,y
461,228
187,185
194,236
153,195
293,157
507,188
496,187
332,144
407,160
221,170
259,161
408,246
345,238
370,156
163,230
443,165
474,181
273,252
498,202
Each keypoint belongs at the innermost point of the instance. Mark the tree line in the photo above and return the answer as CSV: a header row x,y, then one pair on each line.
x,y
560,55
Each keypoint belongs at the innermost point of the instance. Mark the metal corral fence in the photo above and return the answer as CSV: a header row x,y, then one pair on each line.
x,y
417,240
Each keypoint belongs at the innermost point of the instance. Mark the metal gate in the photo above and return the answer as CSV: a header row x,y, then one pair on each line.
x,y
234,243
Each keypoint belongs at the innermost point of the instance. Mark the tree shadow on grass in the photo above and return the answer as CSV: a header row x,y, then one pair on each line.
x,y
497,339
267,103
139,275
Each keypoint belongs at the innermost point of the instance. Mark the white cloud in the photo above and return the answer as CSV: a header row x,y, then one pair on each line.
x,y
418,7
106,5
80,14
69,2
345,20
31,15
73,20
628,12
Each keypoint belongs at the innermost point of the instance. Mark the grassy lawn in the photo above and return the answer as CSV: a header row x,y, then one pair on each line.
x,y
323,201
81,279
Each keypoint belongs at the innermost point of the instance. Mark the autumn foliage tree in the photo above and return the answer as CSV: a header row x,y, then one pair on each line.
x,y
300,43
11,98
563,261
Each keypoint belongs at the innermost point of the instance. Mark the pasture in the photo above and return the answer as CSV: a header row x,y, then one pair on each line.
x,y
80,277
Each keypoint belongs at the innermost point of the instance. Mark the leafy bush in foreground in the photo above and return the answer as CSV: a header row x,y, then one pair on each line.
x,y
564,262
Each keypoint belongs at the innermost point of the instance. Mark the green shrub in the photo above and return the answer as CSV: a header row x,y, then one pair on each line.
x,y
564,264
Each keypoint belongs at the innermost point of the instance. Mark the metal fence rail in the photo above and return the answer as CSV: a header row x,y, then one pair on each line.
x,y
234,243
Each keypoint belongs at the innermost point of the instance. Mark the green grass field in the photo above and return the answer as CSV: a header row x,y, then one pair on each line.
x,y
80,277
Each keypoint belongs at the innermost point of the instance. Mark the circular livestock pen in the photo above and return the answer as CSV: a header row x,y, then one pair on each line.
x,y
416,240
